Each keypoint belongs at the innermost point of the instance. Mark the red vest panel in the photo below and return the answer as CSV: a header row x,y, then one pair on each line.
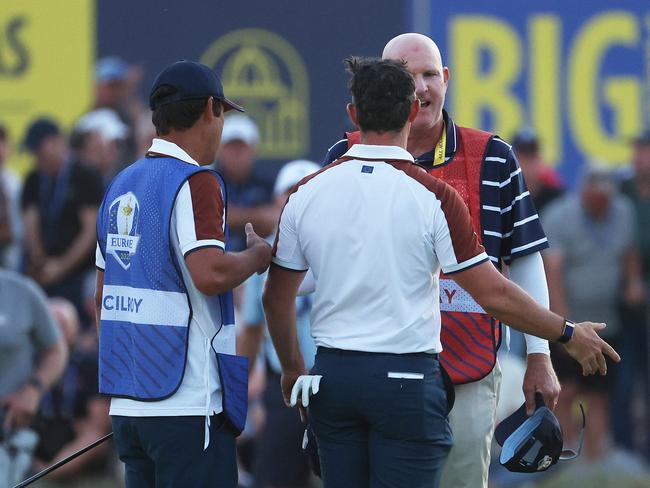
x,y
469,336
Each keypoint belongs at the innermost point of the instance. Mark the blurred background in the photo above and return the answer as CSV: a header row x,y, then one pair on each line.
x,y
566,82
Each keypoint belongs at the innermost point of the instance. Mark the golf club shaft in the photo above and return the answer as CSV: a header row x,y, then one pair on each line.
x,y
49,469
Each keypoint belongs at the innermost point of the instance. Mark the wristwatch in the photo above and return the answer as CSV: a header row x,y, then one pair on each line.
x,y
567,332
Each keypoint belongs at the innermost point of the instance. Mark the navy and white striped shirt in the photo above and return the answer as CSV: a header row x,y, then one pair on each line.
x,y
511,226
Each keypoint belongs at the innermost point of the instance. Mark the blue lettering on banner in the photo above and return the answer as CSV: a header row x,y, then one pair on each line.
x,y
122,303
120,243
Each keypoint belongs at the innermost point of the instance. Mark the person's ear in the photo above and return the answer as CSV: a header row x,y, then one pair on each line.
x,y
415,108
208,110
351,109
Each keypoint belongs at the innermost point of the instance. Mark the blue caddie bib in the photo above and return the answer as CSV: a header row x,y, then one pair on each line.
x,y
145,309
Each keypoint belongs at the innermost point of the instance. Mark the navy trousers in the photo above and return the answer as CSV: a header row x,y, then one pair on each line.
x,y
167,452
380,420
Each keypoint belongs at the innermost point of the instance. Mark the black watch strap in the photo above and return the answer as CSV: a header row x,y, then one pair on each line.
x,y
567,332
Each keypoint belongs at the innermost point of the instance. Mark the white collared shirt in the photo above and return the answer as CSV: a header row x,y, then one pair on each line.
x,y
168,148
375,229
197,221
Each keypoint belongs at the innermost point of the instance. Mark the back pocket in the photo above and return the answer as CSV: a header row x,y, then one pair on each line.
x,y
404,393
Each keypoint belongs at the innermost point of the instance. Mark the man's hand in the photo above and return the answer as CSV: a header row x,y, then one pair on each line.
x,y
306,386
589,349
21,407
287,381
295,385
540,376
262,248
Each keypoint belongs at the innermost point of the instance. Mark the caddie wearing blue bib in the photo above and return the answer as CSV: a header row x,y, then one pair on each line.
x,y
164,295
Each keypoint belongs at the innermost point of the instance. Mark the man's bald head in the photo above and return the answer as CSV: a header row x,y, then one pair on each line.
x,y
411,43
424,62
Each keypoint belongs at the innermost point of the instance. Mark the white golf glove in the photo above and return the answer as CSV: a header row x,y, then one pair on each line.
x,y
308,385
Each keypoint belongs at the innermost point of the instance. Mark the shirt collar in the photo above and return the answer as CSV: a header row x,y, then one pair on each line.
x,y
378,153
450,147
167,148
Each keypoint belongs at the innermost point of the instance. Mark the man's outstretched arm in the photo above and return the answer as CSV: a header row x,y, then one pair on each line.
x,y
507,302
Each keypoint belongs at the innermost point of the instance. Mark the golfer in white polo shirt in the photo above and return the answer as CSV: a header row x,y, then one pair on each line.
x,y
375,229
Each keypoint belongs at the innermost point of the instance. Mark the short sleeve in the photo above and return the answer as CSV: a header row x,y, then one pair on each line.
x,y
45,330
199,213
286,251
100,260
521,228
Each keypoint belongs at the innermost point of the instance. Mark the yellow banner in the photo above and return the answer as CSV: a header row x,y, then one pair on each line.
x,y
575,90
47,52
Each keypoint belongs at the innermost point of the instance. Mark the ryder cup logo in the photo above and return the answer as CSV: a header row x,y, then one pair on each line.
x,y
122,239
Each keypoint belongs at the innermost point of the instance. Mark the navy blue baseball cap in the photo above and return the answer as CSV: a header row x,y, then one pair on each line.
x,y
191,81
38,131
535,443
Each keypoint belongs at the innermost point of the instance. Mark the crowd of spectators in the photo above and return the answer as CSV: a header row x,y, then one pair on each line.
x,y
49,405
598,266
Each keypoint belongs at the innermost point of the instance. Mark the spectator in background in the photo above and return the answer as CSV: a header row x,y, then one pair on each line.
x,y
32,357
543,182
72,414
116,88
592,267
10,218
635,342
111,75
97,141
60,201
279,459
248,198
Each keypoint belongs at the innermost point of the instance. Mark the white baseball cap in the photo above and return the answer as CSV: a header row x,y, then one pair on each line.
x,y
238,127
599,175
105,122
291,173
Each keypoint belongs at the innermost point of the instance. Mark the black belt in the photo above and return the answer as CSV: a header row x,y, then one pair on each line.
x,y
347,352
